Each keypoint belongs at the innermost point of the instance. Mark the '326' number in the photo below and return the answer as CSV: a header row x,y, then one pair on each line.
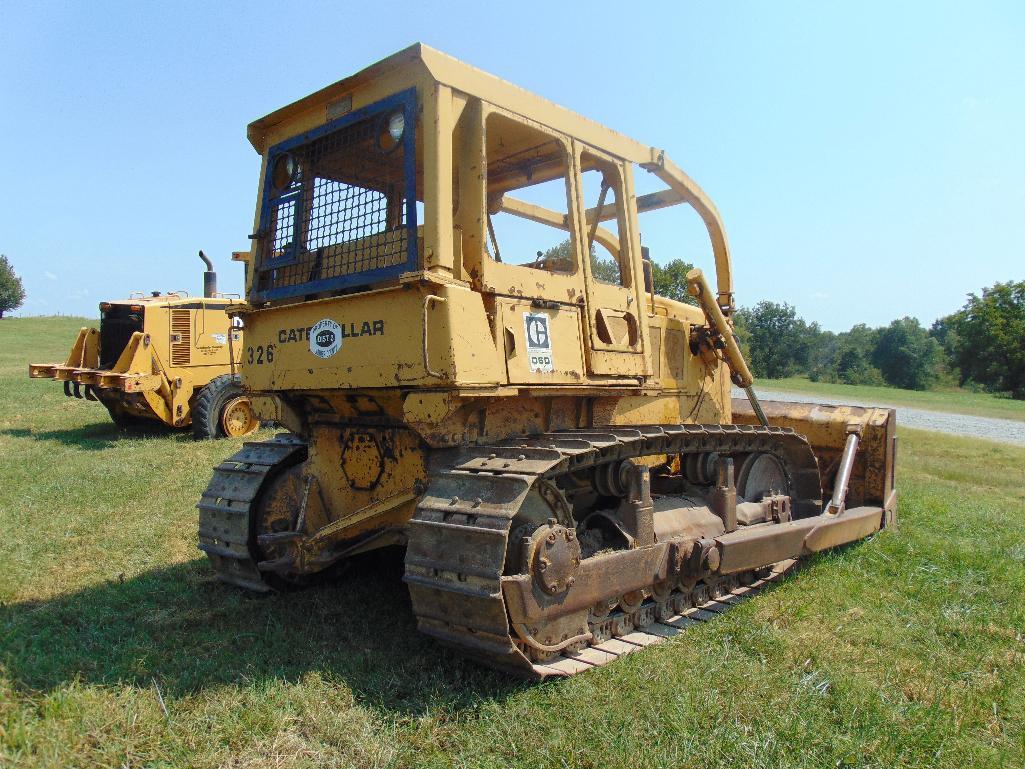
x,y
260,354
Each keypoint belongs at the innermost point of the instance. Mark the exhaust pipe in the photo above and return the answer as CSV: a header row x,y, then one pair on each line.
x,y
209,277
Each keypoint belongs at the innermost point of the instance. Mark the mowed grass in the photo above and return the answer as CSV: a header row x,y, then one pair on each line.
x,y
951,400
118,648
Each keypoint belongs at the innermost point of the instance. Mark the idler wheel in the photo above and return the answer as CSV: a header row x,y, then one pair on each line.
x,y
760,475
279,501
555,557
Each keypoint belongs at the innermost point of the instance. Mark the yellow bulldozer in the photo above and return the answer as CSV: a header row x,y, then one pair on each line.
x,y
555,445
162,359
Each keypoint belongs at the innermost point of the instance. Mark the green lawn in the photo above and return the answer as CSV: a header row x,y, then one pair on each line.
x,y
904,650
955,401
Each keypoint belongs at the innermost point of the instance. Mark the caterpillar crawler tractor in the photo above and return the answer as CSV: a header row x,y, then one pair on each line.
x,y
162,358
555,445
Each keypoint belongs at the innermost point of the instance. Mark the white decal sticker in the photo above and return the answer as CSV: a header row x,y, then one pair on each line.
x,y
325,338
539,342
220,338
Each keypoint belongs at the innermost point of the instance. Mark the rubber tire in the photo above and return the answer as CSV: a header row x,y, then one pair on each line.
x,y
208,405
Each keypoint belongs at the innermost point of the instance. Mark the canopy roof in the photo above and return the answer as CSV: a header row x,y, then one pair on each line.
x,y
420,63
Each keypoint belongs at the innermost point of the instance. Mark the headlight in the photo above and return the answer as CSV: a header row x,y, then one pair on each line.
x,y
390,129
396,125
283,172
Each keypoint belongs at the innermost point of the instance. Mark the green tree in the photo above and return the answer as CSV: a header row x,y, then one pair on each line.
x,y
853,357
816,344
780,340
846,357
943,331
670,280
560,257
853,367
12,292
820,357
906,355
742,334
987,338
605,270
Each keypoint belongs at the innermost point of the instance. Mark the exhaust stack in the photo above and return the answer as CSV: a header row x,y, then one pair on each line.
x,y
209,277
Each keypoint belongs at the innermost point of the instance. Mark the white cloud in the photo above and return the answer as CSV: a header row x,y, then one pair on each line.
x,y
49,275
819,295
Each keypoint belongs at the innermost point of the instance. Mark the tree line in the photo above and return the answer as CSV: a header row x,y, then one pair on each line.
x,y
981,346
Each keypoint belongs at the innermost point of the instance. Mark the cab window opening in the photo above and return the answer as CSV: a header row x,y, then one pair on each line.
x,y
527,197
602,188
674,234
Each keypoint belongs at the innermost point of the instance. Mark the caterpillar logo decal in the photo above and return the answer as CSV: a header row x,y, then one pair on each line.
x,y
341,330
325,338
539,342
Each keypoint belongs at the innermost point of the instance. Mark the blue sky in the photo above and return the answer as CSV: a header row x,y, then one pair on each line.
x,y
868,158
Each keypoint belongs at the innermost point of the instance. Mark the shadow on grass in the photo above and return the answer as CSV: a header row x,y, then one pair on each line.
x,y
96,436
182,628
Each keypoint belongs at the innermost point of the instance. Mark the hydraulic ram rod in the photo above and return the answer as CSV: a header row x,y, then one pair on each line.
x,y
698,287
843,476
756,405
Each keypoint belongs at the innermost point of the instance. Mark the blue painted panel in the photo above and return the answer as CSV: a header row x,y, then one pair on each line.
x,y
407,101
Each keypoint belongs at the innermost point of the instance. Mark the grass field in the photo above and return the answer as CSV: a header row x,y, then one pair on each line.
x,y
955,401
118,648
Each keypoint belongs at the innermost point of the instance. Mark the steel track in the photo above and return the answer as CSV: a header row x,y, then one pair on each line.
x,y
226,531
458,538
459,534
662,628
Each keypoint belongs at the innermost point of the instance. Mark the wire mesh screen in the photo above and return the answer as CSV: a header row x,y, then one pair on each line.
x,y
342,211
284,221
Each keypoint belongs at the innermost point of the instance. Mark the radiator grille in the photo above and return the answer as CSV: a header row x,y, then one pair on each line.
x,y
181,337
348,212
116,327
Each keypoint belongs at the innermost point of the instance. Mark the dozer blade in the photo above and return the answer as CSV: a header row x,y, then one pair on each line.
x,y
826,427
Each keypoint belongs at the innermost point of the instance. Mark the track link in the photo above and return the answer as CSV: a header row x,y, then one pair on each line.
x,y
458,538
663,628
226,507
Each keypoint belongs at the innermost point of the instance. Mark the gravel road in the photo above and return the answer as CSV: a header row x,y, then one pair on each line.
x,y
1002,430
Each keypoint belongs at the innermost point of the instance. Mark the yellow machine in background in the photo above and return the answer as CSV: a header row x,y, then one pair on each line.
x,y
555,444
162,358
